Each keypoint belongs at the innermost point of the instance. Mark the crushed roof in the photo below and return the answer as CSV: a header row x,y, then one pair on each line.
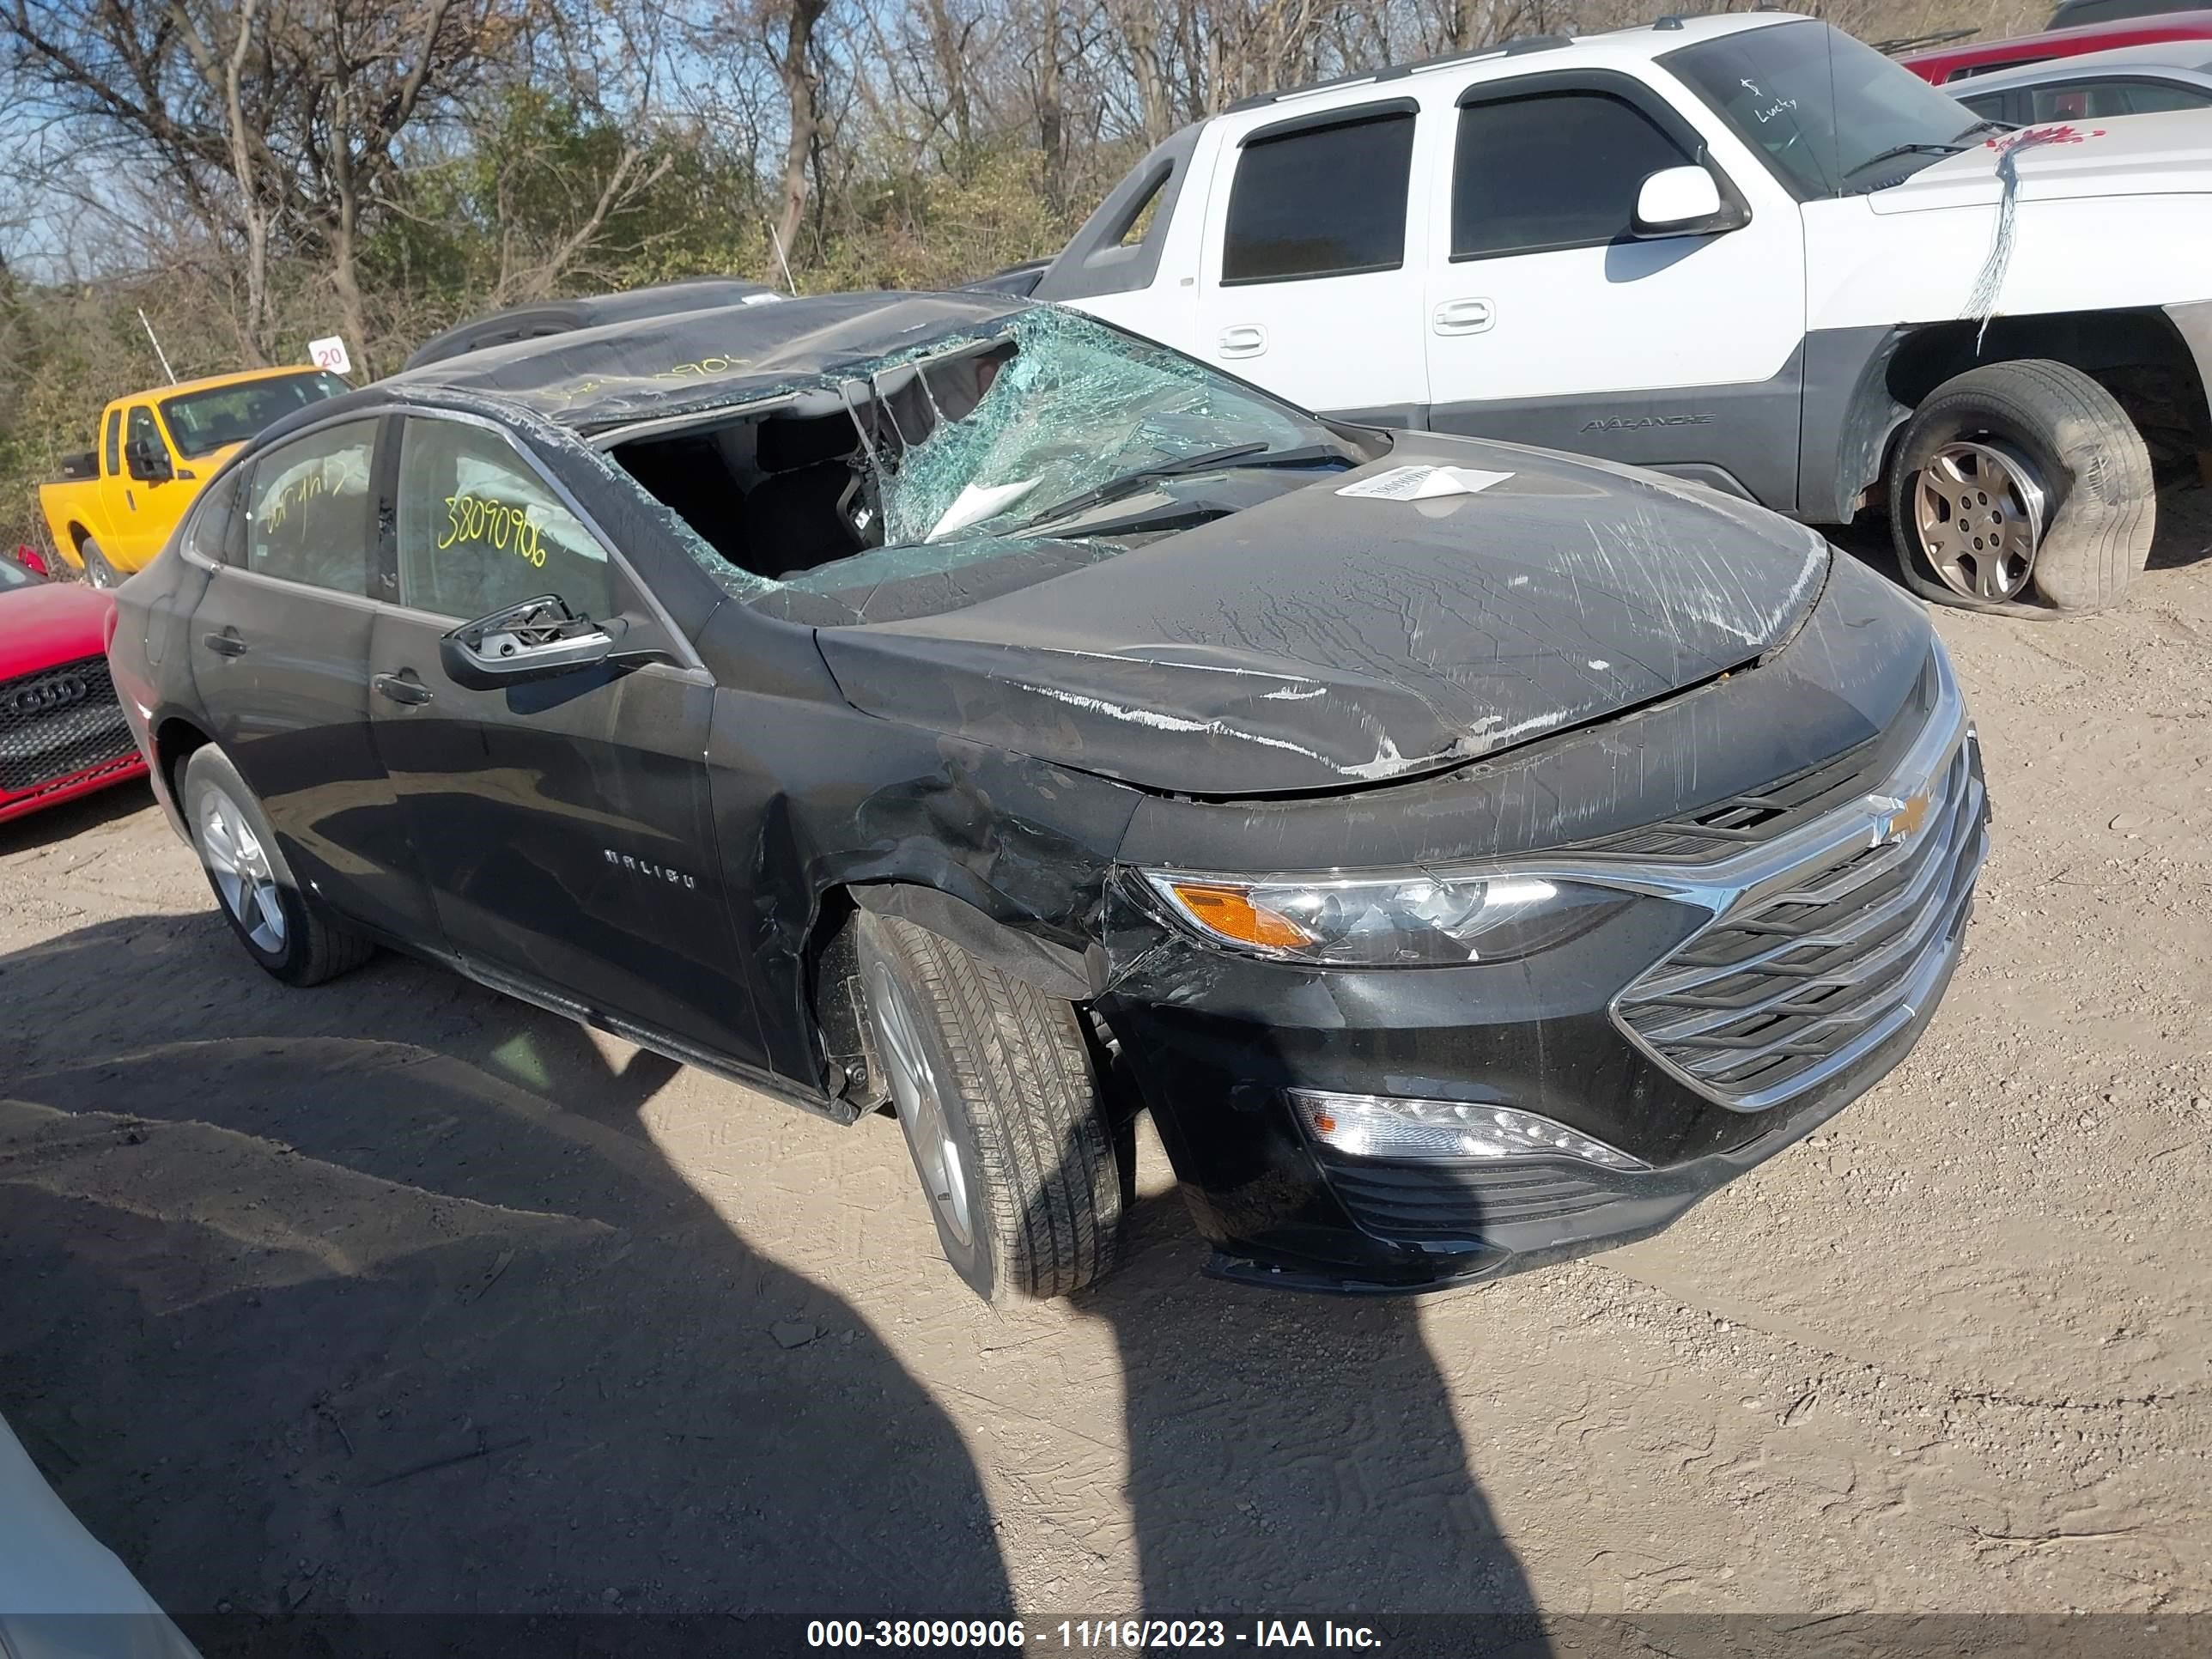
x,y
592,379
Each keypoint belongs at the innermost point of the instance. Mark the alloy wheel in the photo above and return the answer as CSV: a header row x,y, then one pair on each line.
x,y
1979,508
919,1101
243,873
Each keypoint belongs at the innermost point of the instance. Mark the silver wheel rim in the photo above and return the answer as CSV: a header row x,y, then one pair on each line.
x,y
243,874
1979,508
919,1104
97,571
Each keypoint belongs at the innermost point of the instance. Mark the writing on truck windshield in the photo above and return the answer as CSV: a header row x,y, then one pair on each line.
x,y
1830,115
996,446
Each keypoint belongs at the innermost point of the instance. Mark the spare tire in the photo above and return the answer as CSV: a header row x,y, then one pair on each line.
x,y
2021,488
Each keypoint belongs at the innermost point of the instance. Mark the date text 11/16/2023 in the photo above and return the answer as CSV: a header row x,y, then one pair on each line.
x,y
1087,1635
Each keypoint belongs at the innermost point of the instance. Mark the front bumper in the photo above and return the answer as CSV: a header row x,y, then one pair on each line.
x,y
61,735
1750,999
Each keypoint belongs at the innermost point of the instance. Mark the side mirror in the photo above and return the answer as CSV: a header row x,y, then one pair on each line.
x,y
537,639
148,462
1683,201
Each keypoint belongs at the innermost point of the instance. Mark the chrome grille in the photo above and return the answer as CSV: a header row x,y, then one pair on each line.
x,y
1814,966
58,722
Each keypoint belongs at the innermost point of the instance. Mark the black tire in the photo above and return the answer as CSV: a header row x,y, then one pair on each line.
x,y
1021,1104
314,945
97,570
2099,508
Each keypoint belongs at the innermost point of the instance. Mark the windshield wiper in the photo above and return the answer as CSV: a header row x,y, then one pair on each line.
x,y
1896,150
1249,455
1986,126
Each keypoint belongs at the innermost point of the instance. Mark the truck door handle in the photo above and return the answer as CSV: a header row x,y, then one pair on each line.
x,y
1464,316
226,644
1246,340
403,687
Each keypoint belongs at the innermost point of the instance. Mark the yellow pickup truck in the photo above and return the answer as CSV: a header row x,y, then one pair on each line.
x,y
113,508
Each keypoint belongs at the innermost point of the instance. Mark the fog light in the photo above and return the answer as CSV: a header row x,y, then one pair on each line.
x,y
1379,1125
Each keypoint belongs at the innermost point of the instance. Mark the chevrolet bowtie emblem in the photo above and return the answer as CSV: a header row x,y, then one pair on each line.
x,y
1905,821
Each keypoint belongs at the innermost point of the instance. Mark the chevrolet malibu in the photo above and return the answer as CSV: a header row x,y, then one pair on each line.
x,y
937,706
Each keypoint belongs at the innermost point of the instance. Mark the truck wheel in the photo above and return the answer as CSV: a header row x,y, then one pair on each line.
x,y
97,570
287,933
993,1083
2022,487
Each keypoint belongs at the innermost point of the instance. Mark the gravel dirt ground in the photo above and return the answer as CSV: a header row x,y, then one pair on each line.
x,y
394,1295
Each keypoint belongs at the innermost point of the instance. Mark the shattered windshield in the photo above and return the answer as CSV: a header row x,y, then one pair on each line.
x,y
973,463
1830,115
1075,407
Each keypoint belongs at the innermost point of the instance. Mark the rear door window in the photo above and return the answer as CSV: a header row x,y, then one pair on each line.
x,y
480,529
1320,201
307,509
114,443
1558,170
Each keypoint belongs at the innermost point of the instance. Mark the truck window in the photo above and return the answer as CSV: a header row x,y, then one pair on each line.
x,y
479,529
114,465
1558,170
143,432
307,518
1322,201
204,422
1828,115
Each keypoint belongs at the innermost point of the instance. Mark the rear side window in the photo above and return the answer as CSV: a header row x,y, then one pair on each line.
x,y
1325,202
114,442
1555,171
307,509
480,529
2081,100
208,531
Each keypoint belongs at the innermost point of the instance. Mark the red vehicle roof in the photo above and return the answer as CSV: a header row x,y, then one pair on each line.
x,y
1949,63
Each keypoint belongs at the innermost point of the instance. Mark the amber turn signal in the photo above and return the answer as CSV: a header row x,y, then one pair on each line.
x,y
1233,915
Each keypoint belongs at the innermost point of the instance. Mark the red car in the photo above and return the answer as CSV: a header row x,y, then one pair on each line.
x,y
62,731
1951,64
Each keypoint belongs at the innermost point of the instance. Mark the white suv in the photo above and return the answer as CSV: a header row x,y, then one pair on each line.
x,y
1747,250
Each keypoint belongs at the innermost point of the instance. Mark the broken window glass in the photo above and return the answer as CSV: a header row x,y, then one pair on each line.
x,y
958,454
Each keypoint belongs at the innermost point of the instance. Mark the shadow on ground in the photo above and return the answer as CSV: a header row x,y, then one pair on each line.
x,y
380,1298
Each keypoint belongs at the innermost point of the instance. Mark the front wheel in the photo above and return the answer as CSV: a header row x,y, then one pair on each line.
x,y
994,1088
2022,487
286,931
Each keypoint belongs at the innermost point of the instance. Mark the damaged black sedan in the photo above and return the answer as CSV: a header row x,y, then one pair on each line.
x,y
946,708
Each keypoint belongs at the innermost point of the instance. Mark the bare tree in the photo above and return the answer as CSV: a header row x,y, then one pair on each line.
x,y
793,55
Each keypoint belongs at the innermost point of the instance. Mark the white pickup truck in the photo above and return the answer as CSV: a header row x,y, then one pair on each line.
x,y
1747,250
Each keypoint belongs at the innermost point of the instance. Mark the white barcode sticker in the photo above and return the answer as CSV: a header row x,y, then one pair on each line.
x,y
1422,483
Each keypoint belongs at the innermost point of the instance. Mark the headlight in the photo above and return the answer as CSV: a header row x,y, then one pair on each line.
x,y
1420,920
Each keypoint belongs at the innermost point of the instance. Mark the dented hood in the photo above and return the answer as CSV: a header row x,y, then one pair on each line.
x,y
1323,642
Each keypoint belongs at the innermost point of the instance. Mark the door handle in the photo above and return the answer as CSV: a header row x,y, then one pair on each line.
x,y
403,687
1246,340
1464,316
226,644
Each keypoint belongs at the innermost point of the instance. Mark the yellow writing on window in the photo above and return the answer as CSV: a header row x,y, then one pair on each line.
x,y
298,493
480,521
